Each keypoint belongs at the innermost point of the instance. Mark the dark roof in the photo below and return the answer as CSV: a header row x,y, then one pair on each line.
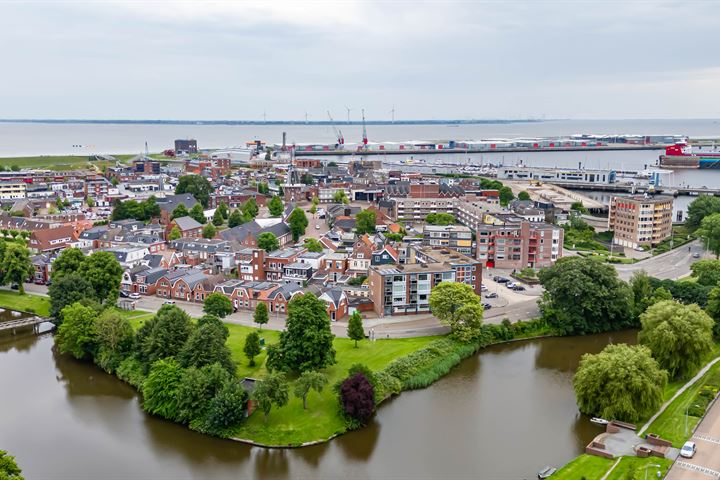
x,y
239,233
187,223
170,202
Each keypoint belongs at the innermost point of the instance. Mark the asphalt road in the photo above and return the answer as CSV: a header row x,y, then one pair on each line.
x,y
671,265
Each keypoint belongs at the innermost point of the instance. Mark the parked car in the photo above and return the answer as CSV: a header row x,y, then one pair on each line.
x,y
169,302
518,288
487,306
696,255
317,227
499,279
510,285
491,295
124,294
483,288
688,450
639,249
134,296
15,286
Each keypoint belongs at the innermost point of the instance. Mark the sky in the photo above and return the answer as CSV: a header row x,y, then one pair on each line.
x,y
215,60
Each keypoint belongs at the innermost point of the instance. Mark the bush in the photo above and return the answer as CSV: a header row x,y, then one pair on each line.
x,y
386,385
225,411
357,398
131,370
160,389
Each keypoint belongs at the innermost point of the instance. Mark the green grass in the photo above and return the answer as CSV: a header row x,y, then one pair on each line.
x,y
25,303
585,466
59,162
633,468
670,425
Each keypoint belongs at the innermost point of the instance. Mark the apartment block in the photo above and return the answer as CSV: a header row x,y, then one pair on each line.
x,y
12,190
416,209
640,220
456,237
405,289
519,245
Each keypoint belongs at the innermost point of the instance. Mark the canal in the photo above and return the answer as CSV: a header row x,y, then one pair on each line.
x,y
504,413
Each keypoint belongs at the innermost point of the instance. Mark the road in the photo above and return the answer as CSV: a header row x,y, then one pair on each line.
x,y
671,265
706,462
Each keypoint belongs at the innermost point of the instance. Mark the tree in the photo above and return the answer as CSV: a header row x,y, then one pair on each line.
x,y
164,335
198,214
215,321
198,387
313,245
261,314
276,207
458,306
115,338
218,219
506,195
621,382
439,219
710,230
68,261
9,469
584,296
268,241
226,409
271,390
180,211
66,290
209,231
701,207
174,233
341,197
357,398
523,196
224,211
365,222
355,329
298,222
196,185
217,304
250,208
161,388
642,292
237,218
16,265
307,179
252,347
707,272
659,295
78,334
90,202
310,380
206,346
313,208
306,342
679,336
150,208
104,274
713,309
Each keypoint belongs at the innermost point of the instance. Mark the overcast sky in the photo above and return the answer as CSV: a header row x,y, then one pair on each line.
x,y
440,59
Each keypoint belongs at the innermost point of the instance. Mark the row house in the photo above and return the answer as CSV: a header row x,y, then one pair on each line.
x,y
42,267
360,258
337,303
198,251
247,295
235,199
142,279
247,233
297,272
188,285
51,239
130,257
276,261
251,264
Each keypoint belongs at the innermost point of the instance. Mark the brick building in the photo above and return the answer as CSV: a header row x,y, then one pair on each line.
x,y
640,220
519,244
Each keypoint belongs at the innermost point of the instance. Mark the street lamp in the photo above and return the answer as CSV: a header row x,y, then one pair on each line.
x,y
654,465
687,409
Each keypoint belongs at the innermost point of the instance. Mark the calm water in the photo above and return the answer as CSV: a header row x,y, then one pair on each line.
x,y
502,414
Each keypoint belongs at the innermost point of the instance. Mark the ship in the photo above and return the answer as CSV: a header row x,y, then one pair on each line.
x,y
681,155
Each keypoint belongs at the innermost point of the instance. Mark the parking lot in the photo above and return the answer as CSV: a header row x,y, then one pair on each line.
x,y
706,461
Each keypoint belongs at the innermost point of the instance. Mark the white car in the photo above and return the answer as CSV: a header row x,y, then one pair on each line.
x,y
688,450
134,296
317,227
169,302
483,288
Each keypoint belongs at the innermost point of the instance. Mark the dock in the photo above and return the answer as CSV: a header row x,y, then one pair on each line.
x,y
633,189
556,194
22,323
442,151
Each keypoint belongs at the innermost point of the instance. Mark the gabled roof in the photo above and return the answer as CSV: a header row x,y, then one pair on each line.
x,y
287,291
170,202
239,233
334,296
187,223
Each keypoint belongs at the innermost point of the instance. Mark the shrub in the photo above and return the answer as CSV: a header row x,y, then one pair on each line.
x,y
131,371
160,389
386,385
225,411
357,398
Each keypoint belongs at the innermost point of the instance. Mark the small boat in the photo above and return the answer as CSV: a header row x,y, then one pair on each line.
x,y
546,472
599,421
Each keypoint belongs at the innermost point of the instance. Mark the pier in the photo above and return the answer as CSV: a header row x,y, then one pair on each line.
x,y
441,151
22,323
627,188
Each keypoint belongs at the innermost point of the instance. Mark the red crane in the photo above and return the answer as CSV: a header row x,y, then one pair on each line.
x,y
364,138
338,132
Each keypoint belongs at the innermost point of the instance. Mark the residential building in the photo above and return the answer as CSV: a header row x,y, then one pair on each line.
x,y
188,226
412,209
51,239
455,237
519,244
12,190
247,233
185,147
640,220
297,272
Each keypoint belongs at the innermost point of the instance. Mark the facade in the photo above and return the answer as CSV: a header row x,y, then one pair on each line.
x,y
184,147
405,289
416,209
640,220
519,245
551,175
12,190
455,237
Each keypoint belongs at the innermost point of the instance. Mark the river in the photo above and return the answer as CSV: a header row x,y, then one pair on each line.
x,y
504,413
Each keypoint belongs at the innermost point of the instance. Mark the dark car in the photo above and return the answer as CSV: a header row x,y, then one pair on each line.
x,y
499,279
518,288
491,295
124,294
15,286
487,306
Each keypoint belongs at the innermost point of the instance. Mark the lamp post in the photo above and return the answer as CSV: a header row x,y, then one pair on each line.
x,y
654,465
687,409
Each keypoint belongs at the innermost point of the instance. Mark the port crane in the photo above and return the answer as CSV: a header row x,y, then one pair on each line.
x,y
364,131
338,132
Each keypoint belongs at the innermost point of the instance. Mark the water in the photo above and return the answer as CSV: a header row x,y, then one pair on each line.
x,y
505,413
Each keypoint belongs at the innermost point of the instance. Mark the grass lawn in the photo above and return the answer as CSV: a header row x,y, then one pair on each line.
x,y
634,468
25,303
59,162
671,424
585,466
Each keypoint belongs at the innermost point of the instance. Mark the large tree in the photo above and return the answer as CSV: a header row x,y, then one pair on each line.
x,y
313,245
309,380
268,241
115,337
355,329
298,222
196,185
710,231
218,304
68,261
250,208
164,335
271,390
306,342
209,231
707,272
9,469
275,206
642,292
161,388
365,222
16,265
679,336
66,290
104,274
459,307
180,211
583,296
175,233
713,309
357,397
198,214
224,211
197,388
226,410
621,382
237,218
205,346
701,207
78,334
218,219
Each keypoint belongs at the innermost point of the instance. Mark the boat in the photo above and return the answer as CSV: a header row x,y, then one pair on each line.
x,y
599,421
681,155
546,472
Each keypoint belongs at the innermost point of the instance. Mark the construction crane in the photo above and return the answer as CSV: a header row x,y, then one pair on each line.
x,y
364,131
338,132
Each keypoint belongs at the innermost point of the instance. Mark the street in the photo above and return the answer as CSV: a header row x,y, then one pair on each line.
x,y
671,265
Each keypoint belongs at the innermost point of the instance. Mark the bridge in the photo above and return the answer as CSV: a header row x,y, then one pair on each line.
x,y
22,323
